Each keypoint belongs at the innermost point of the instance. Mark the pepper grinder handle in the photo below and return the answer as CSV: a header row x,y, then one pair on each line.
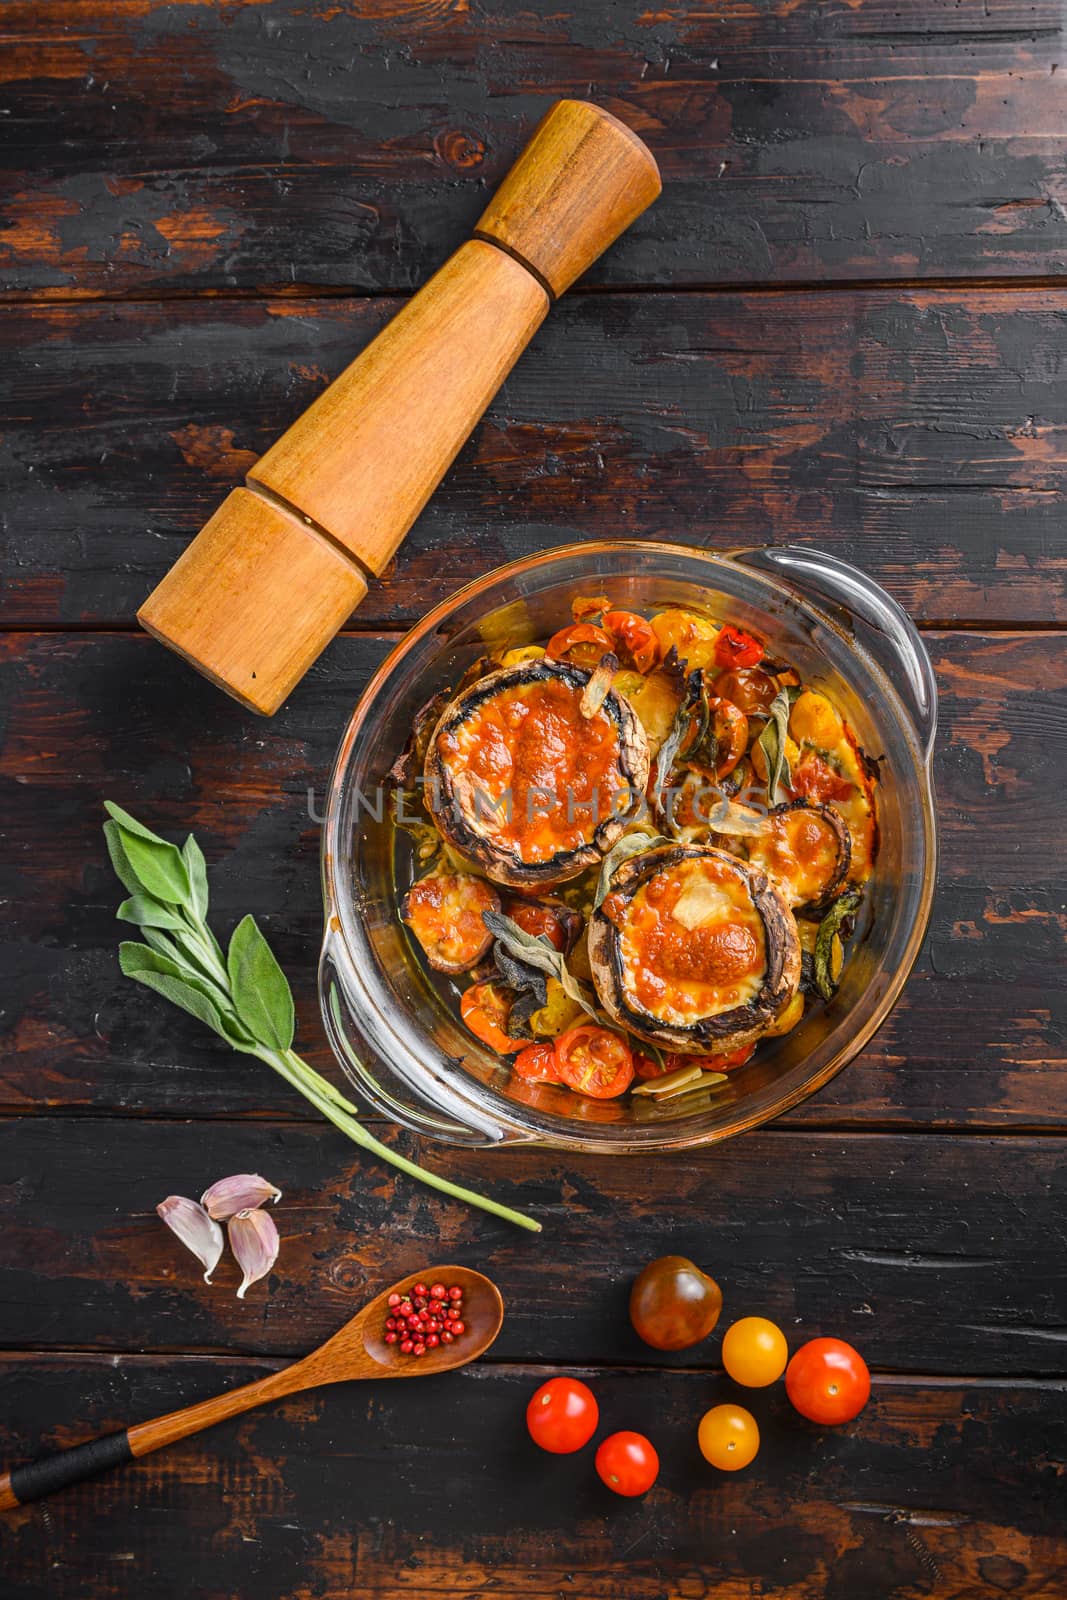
x,y
282,563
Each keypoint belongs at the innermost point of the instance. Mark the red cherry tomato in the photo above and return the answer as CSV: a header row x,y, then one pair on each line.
x,y
536,1064
594,1061
535,918
562,1416
828,1381
724,1063
583,643
646,1067
485,1009
627,1463
635,636
736,648
814,779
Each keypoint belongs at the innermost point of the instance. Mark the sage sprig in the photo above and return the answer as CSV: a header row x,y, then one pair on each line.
x,y
241,993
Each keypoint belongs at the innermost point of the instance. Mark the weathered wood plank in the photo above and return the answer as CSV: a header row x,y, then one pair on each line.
x,y
154,146
922,435
979,1038
939,1489
932,1254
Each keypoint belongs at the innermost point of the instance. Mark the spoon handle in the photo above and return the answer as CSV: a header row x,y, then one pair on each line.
x,y
39,1478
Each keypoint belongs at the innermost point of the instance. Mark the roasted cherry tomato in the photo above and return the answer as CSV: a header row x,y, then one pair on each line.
x,y
582,643
594,1061
736,648
485,1009
562,1416
828,1381
673,1304
646,1067
730,726
728,1437
537,1064
754,1352
812,778
627,1463
723,1063
748,688
635,636
537,918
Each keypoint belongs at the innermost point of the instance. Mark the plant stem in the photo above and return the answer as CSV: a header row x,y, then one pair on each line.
x,y
342,1113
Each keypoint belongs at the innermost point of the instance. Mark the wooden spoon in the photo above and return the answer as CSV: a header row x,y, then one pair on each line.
x,y
358,1350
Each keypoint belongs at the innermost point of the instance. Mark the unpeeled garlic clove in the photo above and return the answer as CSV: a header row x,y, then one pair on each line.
x,y
243,1192
197,1231
254,1242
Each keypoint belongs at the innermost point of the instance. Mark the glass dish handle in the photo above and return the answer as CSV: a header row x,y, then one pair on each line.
x,y
864,608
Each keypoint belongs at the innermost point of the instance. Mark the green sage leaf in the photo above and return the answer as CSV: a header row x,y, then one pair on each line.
x,y
260,988
119,860
196,867
157,865
537,951
772,742
631,844
146,912
176,982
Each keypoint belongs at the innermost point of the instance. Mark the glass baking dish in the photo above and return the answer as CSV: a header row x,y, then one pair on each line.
x,y
394,1035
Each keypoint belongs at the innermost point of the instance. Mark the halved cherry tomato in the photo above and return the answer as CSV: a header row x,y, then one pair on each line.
x,y
828,1381
562,1416
583,643
594,1061
537,1064
634,633
485,1009
627,1463
736,648
749,687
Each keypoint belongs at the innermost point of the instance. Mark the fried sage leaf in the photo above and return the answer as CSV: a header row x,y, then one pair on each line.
x,y
631,844
833,926
537,952
772,741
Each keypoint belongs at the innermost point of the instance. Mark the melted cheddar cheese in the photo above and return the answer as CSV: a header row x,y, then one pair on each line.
x,y
691,943
536,775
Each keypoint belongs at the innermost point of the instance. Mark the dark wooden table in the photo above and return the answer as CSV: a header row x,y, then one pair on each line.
x,y
843,324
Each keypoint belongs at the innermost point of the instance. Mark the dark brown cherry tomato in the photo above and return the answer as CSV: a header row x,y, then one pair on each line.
x,y
594,1061
736,648
628,1463
673,1304
635,636
582,643
731,734
536,1064
828,1381
562,1416
749,689
485,1009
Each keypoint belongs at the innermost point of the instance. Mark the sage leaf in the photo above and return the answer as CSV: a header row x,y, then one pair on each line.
x,y
119,859
130,824
148,913
260,989
158,866
196,867
537,951
845,906
176,989
772,742
631,844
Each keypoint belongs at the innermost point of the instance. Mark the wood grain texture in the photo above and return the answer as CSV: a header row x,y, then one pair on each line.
x,y
302,1500
903,1243
921,435
979,1038
157,146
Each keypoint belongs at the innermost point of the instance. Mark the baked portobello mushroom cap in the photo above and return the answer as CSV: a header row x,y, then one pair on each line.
x,y
709,980
806,848
513,766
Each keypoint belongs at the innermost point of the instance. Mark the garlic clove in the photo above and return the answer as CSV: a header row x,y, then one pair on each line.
x,y
254,1242
243,1192
197,1231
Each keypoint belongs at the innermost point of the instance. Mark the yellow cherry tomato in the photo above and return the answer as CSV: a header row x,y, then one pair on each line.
x,y
728,1437
754,1352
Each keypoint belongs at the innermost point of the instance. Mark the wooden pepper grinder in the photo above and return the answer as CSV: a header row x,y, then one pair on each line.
x,y
283,562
